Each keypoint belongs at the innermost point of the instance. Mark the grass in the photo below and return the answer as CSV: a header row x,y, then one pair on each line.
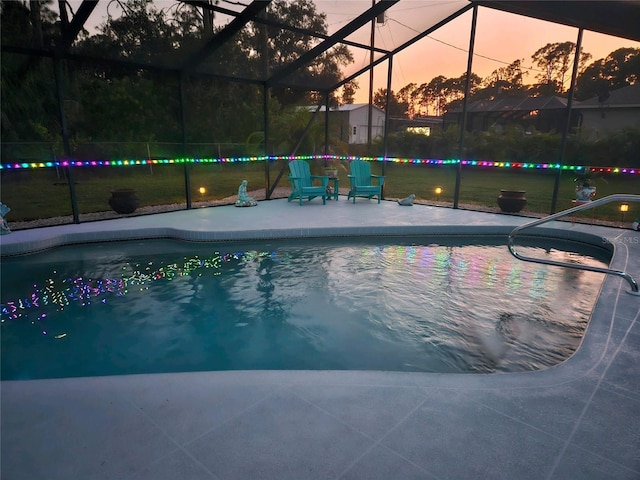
x,y
44,193
482,186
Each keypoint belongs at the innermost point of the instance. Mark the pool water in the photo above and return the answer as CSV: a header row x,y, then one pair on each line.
x,y
397,304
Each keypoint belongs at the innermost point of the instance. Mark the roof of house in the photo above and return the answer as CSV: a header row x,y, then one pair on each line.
x,y
621,97
355,106
625,96
511,104
342,108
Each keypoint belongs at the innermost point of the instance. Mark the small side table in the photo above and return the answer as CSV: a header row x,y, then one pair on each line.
x,y
336,187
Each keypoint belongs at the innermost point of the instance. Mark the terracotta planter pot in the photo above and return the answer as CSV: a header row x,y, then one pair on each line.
x,y
123,200
512,201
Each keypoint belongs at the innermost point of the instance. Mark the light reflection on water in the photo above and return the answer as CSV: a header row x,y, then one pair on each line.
x,y
168,306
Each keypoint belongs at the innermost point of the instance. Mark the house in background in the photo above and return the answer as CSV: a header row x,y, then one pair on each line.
x,y
419,125
592,118
352,121
544,114
610,112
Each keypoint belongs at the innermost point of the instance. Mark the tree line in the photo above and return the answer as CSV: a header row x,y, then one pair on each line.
x,y
144,100
112,100
618,69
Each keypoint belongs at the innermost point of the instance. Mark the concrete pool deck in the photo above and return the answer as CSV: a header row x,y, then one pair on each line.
x,y
578,420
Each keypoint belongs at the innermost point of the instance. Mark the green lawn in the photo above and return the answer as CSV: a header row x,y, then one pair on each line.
x,y
44,193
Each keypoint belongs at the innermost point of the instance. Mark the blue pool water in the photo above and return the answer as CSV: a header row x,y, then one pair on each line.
x,y
419,304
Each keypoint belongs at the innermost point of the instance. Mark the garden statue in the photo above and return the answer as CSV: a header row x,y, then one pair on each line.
x,y
407,201
4,228
585,190
244,200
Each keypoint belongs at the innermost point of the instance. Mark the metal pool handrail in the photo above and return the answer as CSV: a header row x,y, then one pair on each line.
x,y
584,206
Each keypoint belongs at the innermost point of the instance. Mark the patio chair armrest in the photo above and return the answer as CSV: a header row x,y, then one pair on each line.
x,y
380,179
325,180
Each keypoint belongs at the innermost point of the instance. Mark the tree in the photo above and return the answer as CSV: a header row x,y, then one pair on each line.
x,y
407,96
555,60
189,21
453,90
278,47
431,95
396,108
119,103
288,128
348,93
503,81
141,34
619,69
25,79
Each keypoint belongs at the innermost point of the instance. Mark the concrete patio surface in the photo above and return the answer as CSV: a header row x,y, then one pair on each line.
x,y
578,420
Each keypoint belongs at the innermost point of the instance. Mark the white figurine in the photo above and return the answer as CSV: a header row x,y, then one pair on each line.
x,y
4,228
407,201
244,200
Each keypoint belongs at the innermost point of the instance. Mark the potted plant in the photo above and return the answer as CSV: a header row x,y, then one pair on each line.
x,y
331,168
585,190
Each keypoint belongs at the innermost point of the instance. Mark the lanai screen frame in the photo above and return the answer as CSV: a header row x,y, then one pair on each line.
x,y
612,17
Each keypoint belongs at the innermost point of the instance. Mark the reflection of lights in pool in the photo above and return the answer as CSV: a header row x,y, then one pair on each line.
x,y
83,291
384,306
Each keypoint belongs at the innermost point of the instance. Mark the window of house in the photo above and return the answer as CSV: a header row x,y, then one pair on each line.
x,y
426,131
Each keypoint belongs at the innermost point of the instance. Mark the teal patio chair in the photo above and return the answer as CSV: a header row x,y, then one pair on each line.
x,y
363,183
302,182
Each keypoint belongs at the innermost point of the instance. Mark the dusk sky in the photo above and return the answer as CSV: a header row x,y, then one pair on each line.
x,y
501,38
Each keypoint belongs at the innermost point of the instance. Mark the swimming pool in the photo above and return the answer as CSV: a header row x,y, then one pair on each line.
x,y
401,304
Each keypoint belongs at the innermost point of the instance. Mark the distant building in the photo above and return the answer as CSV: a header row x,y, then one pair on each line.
x,y
419,125
610,112
353,121
591,118
544,114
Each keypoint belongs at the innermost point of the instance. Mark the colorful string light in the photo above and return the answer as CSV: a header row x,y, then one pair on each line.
x,y
348,158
